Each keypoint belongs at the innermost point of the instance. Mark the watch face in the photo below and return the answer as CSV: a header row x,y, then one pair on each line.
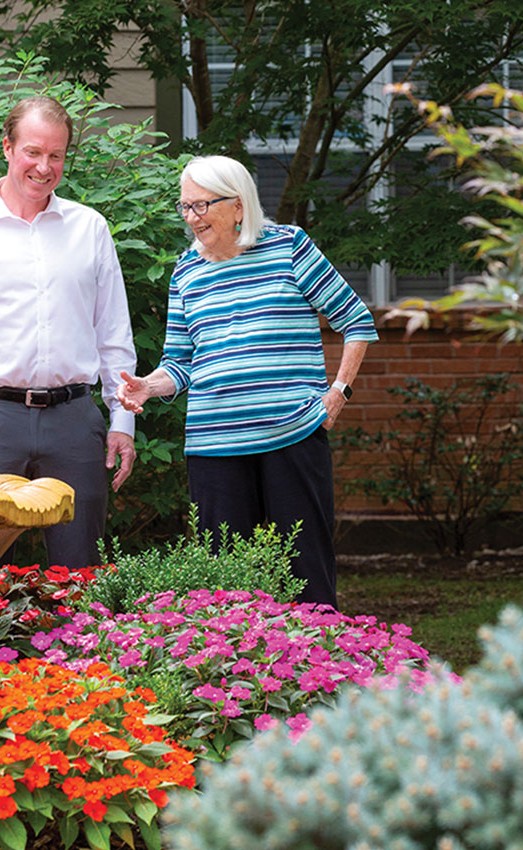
x,y
347,392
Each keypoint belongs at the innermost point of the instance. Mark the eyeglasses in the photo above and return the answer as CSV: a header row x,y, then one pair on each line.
x,y
199,207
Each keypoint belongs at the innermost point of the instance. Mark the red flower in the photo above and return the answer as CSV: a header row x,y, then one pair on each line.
x,y
8,808
30,614
35,777
23,571
159,797
96,811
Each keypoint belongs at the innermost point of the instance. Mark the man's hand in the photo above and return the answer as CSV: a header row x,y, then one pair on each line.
x,y
120,445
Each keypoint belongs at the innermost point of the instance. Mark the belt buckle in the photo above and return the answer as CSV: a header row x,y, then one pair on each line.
x,y
29,398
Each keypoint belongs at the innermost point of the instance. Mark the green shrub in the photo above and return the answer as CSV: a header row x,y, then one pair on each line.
x,y
386,770
262,562
122,170
455,463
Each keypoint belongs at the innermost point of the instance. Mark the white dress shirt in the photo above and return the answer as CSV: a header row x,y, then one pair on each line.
x,y
64,317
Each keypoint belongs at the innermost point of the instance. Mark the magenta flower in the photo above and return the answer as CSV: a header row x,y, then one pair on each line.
x,y
265,721
238,692
208,692
231,709
7,654
298,726
132,658
244,666
269,684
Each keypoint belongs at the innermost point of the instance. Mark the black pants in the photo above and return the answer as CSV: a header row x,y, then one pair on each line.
x,y
279,486
65,442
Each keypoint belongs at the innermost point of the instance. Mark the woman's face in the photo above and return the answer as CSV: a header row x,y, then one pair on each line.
x,y
216,230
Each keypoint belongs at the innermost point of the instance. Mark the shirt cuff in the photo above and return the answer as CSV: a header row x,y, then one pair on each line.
x,y
123,420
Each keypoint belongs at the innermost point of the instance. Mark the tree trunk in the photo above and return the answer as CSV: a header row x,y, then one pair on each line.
x,y
291,207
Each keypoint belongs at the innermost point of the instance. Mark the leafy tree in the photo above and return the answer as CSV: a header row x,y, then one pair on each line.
x,y
122,170
491,161
307,70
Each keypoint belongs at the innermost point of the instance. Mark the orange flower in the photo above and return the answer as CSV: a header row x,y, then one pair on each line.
x,y
22,723
35,777
60,762
96,811
74,786
147,694
58,721
7,785
8,808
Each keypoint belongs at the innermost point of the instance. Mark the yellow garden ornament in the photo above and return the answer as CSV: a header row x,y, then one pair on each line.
x,y
32,504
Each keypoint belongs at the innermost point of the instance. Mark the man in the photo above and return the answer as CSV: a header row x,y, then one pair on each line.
x,y
65,323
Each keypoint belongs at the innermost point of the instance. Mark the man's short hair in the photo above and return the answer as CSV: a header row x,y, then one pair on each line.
x,y
48,107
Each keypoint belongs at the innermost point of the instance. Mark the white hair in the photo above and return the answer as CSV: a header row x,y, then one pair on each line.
x,y
228,177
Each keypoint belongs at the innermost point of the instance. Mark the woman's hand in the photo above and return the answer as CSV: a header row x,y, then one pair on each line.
x,y
334,401
133,393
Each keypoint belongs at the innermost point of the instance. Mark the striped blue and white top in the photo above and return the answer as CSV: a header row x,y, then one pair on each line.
x,y
243,336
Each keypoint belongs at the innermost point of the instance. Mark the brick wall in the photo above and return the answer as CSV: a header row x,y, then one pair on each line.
x,y
438,356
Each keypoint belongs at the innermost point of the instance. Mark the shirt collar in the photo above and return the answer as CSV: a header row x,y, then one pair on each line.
x,y
53,207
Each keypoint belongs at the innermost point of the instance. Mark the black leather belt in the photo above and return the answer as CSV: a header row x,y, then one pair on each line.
x,y
44,398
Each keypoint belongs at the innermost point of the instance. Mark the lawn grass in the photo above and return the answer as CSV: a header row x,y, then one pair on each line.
x,y
444,612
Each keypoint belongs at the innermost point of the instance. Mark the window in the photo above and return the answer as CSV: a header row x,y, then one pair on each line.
x,y
378,283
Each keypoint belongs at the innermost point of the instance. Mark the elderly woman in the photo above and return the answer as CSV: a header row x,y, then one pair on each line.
x,y
243,337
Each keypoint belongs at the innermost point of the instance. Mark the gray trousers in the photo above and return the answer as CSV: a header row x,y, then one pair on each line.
x,y
65,442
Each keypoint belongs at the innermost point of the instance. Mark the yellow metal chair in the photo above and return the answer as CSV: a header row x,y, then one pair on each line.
x,y
32,504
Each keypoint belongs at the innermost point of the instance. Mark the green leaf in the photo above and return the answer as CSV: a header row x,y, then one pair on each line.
x,y
36,821
123,831
158,719
13,834
150,833
69,831
155,749
116,814
145,810
24,798
98,835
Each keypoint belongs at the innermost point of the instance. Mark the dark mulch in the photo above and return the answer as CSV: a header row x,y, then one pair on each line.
x,y
506,562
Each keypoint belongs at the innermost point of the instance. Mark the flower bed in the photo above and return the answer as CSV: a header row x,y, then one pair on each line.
x,y
82,754
240,661
89,721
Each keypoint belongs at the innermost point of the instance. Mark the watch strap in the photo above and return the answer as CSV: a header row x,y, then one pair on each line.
x,y
344,389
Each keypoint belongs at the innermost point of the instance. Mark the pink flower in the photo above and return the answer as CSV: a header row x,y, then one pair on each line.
x,y
298,726
269,684
238,692
231,709
244,666
265,721
7,654
209,692
41,641
283,670
132,658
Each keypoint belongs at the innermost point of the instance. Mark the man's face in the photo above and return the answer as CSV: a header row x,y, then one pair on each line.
x,y
36,158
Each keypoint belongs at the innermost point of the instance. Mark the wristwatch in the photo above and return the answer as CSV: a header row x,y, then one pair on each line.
x,y
344,389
